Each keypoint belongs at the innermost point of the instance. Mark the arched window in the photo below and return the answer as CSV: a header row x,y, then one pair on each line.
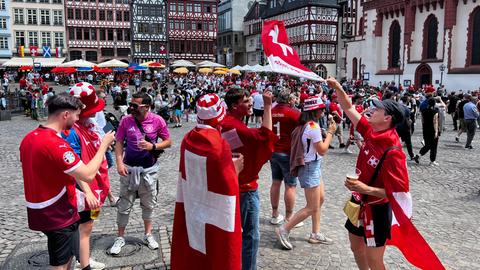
x,y
474,38
322,71
361,27
394,45
354,68
430,35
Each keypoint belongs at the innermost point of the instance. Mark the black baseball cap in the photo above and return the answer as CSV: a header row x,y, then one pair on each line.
x,y
391,108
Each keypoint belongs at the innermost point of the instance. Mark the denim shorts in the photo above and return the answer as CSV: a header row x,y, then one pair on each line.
x,y
280,165
310,175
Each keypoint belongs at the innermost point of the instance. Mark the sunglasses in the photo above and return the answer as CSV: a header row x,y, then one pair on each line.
x,y
136,106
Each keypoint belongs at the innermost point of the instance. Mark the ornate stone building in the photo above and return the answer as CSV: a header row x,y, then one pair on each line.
x,y
416,42
252,30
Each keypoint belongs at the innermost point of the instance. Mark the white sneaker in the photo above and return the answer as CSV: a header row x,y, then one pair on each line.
x,y
434,163
300,224
347,151
149,240
94,265
277,220
117,245
283,236
319,238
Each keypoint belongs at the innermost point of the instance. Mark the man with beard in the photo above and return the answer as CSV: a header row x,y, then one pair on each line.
x,y
138,168
50,167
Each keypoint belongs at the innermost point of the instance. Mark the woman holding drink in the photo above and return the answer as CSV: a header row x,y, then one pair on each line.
x,y
310,175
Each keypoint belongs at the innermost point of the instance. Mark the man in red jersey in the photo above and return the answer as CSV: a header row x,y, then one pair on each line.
x,y
285,120
50,167
256,146
337,114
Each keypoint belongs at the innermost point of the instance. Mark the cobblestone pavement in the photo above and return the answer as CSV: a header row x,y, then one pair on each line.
x,y
446,208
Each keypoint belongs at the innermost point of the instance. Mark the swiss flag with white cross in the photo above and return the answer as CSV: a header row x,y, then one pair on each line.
x,y
206,227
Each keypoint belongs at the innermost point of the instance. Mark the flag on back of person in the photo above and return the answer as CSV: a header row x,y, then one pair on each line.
x,y
206,227
404,235
281,56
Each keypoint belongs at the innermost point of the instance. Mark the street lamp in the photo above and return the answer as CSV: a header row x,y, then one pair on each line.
x,y
442,69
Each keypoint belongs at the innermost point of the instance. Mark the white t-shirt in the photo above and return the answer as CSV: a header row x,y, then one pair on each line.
x,y
258,101
312,132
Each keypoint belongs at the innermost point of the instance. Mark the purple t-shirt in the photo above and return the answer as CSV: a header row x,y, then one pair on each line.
x,y
154,127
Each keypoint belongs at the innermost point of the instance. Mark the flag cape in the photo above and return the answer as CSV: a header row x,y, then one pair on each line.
x,y
282,57
206,226
90,143
404,235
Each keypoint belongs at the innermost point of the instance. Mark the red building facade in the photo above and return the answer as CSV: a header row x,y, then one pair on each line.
x,y
98,30
192,29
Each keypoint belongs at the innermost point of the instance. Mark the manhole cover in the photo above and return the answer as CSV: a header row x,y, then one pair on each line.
x,y
128,250
28,256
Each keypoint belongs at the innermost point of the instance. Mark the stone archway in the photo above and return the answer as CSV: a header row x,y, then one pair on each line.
x,y
423,75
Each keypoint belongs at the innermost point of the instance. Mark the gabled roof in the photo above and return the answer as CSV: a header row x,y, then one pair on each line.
x,y
296,4
252,13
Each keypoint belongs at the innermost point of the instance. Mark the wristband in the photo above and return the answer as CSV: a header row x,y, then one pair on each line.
x,y
154,147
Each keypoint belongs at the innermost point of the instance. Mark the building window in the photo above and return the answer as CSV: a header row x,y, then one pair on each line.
x,y
143,28
46,39
173,7
78,34
107,52
44,1
86,34
354,68
71,33
474,37
361,27
109,15
86,14
70,14
56,1
2,5
394,45
126,16
430,34
19,38
32,39
101,15
3,23
32,16
18,16
58,17
119,35
31,1
126,35
44,16
197,8
3,43
180,7
93,34
118,16
58,39
93,14
110,34
102,34
189,7
78,14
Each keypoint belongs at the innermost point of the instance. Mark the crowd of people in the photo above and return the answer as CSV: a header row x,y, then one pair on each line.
x,y
242,122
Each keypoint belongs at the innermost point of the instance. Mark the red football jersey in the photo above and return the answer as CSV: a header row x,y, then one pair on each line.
x,y
49,191
393,168
285,120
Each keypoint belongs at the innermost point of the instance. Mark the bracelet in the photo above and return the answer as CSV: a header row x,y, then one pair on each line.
x,y
331,133
154,147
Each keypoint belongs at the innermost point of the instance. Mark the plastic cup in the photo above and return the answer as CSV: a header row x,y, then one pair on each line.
x,y
353,175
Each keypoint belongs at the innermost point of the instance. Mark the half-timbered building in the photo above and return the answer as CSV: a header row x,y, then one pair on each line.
x,y
192,29
252,30
312,27
416,42
98,30
149,41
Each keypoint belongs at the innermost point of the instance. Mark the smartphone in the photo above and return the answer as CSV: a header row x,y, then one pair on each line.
x,y
108,127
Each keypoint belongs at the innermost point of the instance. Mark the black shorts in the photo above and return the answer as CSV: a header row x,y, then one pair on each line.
x,y
84,216
257,112
63,244
382,222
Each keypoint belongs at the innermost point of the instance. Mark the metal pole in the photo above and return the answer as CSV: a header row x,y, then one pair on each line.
x,y
441,78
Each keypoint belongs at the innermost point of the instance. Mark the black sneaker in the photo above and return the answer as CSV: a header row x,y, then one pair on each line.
x,y
331,147
342,145
417,159
469,147
456,139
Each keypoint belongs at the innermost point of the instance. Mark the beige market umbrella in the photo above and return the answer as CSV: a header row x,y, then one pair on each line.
x,y
181,70
205,70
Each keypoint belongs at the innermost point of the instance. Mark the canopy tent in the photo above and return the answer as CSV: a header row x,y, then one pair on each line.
x,y
205,70
136,67
267,68
183,63
234,71
77,64
114,63
247,68
237,67
44,62
25,68
209,64
257,68
181,70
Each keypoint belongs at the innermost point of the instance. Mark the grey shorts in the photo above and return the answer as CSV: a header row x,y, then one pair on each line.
x,y
339,130
147,192
280,165
310,175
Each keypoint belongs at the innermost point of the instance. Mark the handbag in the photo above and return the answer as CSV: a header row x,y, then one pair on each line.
x,y
156,152
352,207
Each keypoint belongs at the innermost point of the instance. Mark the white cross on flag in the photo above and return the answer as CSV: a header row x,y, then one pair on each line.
x,y
373,161
206,227
282,57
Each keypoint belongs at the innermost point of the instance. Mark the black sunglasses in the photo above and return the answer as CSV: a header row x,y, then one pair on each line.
x,y
135,105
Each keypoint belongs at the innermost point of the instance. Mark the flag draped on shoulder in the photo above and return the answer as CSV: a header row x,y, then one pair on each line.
x,y
206,227
282,57
404,235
